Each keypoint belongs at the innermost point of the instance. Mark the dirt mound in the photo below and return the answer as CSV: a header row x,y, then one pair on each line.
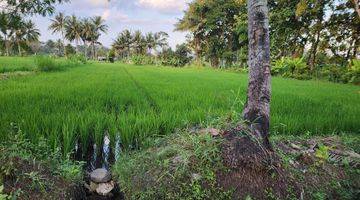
x,y
295,169
254,171
33,180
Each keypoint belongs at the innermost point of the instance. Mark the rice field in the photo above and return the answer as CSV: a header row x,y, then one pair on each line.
x,y
12,64
134,102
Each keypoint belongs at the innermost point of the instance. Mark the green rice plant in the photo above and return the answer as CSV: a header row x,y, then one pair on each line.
x,y
47,64
131,103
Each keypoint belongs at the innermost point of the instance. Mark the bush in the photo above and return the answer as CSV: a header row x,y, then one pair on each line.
x,y
47,64
333,73
142,60
111,55
353,73
78,59
291,68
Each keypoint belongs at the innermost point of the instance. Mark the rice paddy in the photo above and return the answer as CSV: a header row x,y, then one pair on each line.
x,y
134,102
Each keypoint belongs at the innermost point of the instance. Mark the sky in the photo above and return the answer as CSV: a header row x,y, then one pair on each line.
x,y
144,15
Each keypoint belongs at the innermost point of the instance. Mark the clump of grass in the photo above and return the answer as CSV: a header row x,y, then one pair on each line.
x,y
181,166
38,170
47,64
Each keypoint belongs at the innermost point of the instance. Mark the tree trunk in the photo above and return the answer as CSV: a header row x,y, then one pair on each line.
x,y
257,108
63,40
357,6
85,50
19,48
93,50
314,47
6,45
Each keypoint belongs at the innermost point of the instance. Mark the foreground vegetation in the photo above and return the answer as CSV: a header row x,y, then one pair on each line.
x,y
190,165
133,102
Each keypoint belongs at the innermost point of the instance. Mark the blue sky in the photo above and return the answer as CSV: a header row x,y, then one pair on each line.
x,y
144,15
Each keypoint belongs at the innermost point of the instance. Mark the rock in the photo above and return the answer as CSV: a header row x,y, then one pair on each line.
x,y
93,186
105,188
294,146
214,132
100,176
195,177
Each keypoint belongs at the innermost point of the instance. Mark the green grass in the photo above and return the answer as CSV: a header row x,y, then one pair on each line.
x,y
140,101
12,64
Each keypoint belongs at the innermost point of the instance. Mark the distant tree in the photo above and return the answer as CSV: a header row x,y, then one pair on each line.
x,y
150,42
183,54
257,108
23,33
69,50
86,33
99,27
161,39
5,26
212,25
122,44
73,30
58,25
29,7
139,42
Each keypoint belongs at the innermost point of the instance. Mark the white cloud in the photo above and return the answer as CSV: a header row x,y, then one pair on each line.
x,y
169,6
113,14
101,3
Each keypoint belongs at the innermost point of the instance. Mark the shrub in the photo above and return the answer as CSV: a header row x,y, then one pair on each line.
x,y
47,63
111,55
353,73
142,60
333,73
78,58
291,67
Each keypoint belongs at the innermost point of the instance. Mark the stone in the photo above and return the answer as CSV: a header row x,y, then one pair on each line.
x,y
105,188
100,176
195,177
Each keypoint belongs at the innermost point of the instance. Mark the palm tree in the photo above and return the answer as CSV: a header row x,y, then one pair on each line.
x,y
4,27
58,26
150,42
24,32
139,42
123,43
87,32
99,27
73,30
160,40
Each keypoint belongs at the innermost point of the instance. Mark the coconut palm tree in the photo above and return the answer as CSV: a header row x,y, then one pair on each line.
x,y
87,32
73,30
99,27
24,32
161,39
123,43
139,42
58,26
150,42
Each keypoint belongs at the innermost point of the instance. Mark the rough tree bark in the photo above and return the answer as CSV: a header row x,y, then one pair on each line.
x,y
357,6
257,108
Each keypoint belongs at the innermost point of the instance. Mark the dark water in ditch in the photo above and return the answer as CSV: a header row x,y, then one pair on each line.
x,y
98,155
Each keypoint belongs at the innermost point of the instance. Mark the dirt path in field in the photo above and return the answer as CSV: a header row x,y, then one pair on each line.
x,y
143,90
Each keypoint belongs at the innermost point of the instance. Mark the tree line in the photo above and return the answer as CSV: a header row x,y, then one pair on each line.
x,y
85,30
19,35
16,33
320,31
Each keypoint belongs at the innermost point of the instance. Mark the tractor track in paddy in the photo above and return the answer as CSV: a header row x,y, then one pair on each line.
x,y
143,90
